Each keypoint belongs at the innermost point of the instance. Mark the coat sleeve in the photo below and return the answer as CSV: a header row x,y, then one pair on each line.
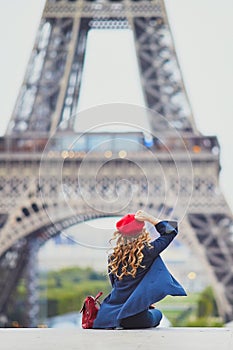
x,y
168,231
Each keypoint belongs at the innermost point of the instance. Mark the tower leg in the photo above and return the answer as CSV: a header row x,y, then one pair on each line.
x,y
32,303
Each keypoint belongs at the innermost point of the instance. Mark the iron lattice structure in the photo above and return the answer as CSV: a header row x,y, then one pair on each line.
x,y
47,186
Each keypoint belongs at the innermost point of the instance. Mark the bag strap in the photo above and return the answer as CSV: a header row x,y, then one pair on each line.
x,y
98,295
83,308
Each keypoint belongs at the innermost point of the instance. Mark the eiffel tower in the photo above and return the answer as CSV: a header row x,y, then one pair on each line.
x,y
51,177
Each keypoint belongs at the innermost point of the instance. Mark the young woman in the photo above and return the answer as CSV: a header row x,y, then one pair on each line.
x,y
138,275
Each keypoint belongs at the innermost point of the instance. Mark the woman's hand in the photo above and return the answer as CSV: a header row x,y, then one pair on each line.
x,y
143,216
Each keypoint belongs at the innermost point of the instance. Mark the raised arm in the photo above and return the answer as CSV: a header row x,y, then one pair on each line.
x,y
167,230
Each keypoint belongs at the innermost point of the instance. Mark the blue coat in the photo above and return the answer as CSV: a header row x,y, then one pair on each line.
x,y
130,296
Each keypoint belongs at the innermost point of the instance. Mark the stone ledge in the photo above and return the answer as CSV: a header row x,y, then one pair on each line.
x,y
158,338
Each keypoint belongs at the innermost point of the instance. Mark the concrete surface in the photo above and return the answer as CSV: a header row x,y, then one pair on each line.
x,y
160,338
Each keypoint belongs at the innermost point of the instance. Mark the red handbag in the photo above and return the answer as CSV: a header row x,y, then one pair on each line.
x,y
89,310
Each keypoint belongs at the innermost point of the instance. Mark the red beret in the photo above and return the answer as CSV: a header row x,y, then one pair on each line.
x,y
129,226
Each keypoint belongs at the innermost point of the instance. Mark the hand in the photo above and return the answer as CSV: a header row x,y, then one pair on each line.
x,y
143,216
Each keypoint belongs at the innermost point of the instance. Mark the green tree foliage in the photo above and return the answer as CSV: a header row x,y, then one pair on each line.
x,y
207,306
61,291
205,322
65,290
195,310
207,312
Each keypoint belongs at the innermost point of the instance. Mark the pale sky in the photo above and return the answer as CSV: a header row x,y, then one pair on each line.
x,y
101,59
202,31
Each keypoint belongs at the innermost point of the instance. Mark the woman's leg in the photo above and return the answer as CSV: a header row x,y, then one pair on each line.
x,y
157,316
144,319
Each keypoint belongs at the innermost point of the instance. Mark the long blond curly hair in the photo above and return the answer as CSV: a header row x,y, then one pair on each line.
x,y
128,254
